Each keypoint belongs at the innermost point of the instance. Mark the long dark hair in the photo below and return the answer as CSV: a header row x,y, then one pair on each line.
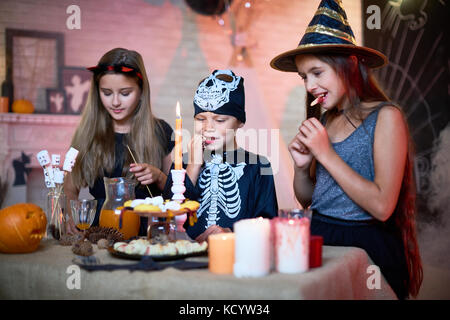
x,y
94,137
361,86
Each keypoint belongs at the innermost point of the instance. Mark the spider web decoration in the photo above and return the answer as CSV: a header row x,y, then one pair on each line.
x,y
414,36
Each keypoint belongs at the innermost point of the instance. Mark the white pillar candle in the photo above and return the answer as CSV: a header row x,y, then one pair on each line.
x,y
252,248
291,244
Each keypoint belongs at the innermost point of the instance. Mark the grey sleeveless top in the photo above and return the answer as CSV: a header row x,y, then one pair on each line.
x,y
357,151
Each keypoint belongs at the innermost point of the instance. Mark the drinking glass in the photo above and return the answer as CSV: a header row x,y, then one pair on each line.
x,y
56,205
83,212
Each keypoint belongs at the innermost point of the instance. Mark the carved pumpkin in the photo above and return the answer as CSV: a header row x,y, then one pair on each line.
x,y
22,106
22,226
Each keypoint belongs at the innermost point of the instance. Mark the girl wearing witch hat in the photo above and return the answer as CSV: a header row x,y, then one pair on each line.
x,y
352,155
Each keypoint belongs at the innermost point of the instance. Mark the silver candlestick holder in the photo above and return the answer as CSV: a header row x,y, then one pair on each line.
x,y
178,187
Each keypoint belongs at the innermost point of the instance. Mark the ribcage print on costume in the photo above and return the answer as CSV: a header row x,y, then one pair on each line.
x,y
220,190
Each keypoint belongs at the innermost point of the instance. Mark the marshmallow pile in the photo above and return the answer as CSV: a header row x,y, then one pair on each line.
x,y
144,247
156,201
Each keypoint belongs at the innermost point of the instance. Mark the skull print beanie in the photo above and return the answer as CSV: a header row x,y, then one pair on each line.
x,y
223,95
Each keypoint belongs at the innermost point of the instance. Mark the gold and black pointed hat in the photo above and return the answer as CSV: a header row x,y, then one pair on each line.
x,y
329,32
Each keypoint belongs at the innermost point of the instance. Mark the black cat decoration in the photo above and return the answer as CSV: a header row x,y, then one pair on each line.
x,y
20,169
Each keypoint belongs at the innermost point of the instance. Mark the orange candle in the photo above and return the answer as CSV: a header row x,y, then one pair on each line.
x,y
4,104
178,140
221,253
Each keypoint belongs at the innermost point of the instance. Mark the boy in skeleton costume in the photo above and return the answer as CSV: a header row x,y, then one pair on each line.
x,y
229,182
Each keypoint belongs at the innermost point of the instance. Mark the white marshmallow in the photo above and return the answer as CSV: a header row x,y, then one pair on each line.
x,y
137,202
56,160
172,205
58,177
69,160
43,158
156,201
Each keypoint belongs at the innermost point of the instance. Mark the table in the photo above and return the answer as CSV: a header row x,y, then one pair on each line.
x,y
44,274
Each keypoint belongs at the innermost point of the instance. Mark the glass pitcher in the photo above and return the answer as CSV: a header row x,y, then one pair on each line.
x,y
119,190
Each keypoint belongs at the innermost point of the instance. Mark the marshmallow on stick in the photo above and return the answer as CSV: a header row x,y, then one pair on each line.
x,y
59,177
69,160
54,174
43,158
56,162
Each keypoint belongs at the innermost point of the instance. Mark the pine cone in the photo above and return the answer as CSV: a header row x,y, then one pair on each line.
x,y
103,244
96,233
94,237
83,248
115,237
69,239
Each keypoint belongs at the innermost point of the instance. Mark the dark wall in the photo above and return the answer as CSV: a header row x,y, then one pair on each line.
x,y
414,34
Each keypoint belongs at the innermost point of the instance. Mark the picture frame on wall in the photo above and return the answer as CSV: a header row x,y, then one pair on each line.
x,y
56,101
76,82
34,60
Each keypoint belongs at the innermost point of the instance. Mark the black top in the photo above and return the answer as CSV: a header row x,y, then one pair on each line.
x,y
98,189
241,186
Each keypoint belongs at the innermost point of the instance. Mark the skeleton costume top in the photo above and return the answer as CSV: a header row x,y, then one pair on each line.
x,y
234,185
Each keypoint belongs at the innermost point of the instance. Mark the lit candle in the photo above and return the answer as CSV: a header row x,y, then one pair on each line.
x,y
252,248
291,244
178,140
221,253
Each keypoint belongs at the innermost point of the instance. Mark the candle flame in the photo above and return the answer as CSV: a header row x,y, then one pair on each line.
x,y
291,221
178,110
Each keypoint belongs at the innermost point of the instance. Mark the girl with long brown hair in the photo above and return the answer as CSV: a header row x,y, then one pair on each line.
x,y
118,114
353,162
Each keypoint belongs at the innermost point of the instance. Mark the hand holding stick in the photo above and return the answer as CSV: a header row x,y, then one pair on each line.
x,y
132,156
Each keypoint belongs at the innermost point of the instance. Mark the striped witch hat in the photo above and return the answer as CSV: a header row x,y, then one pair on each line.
x,y
329,32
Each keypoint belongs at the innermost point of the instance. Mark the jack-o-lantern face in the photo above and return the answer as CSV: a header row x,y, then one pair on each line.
x,y
22,226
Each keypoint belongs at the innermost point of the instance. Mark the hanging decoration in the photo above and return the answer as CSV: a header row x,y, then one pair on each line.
x,y
240,14
236,17
208,7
